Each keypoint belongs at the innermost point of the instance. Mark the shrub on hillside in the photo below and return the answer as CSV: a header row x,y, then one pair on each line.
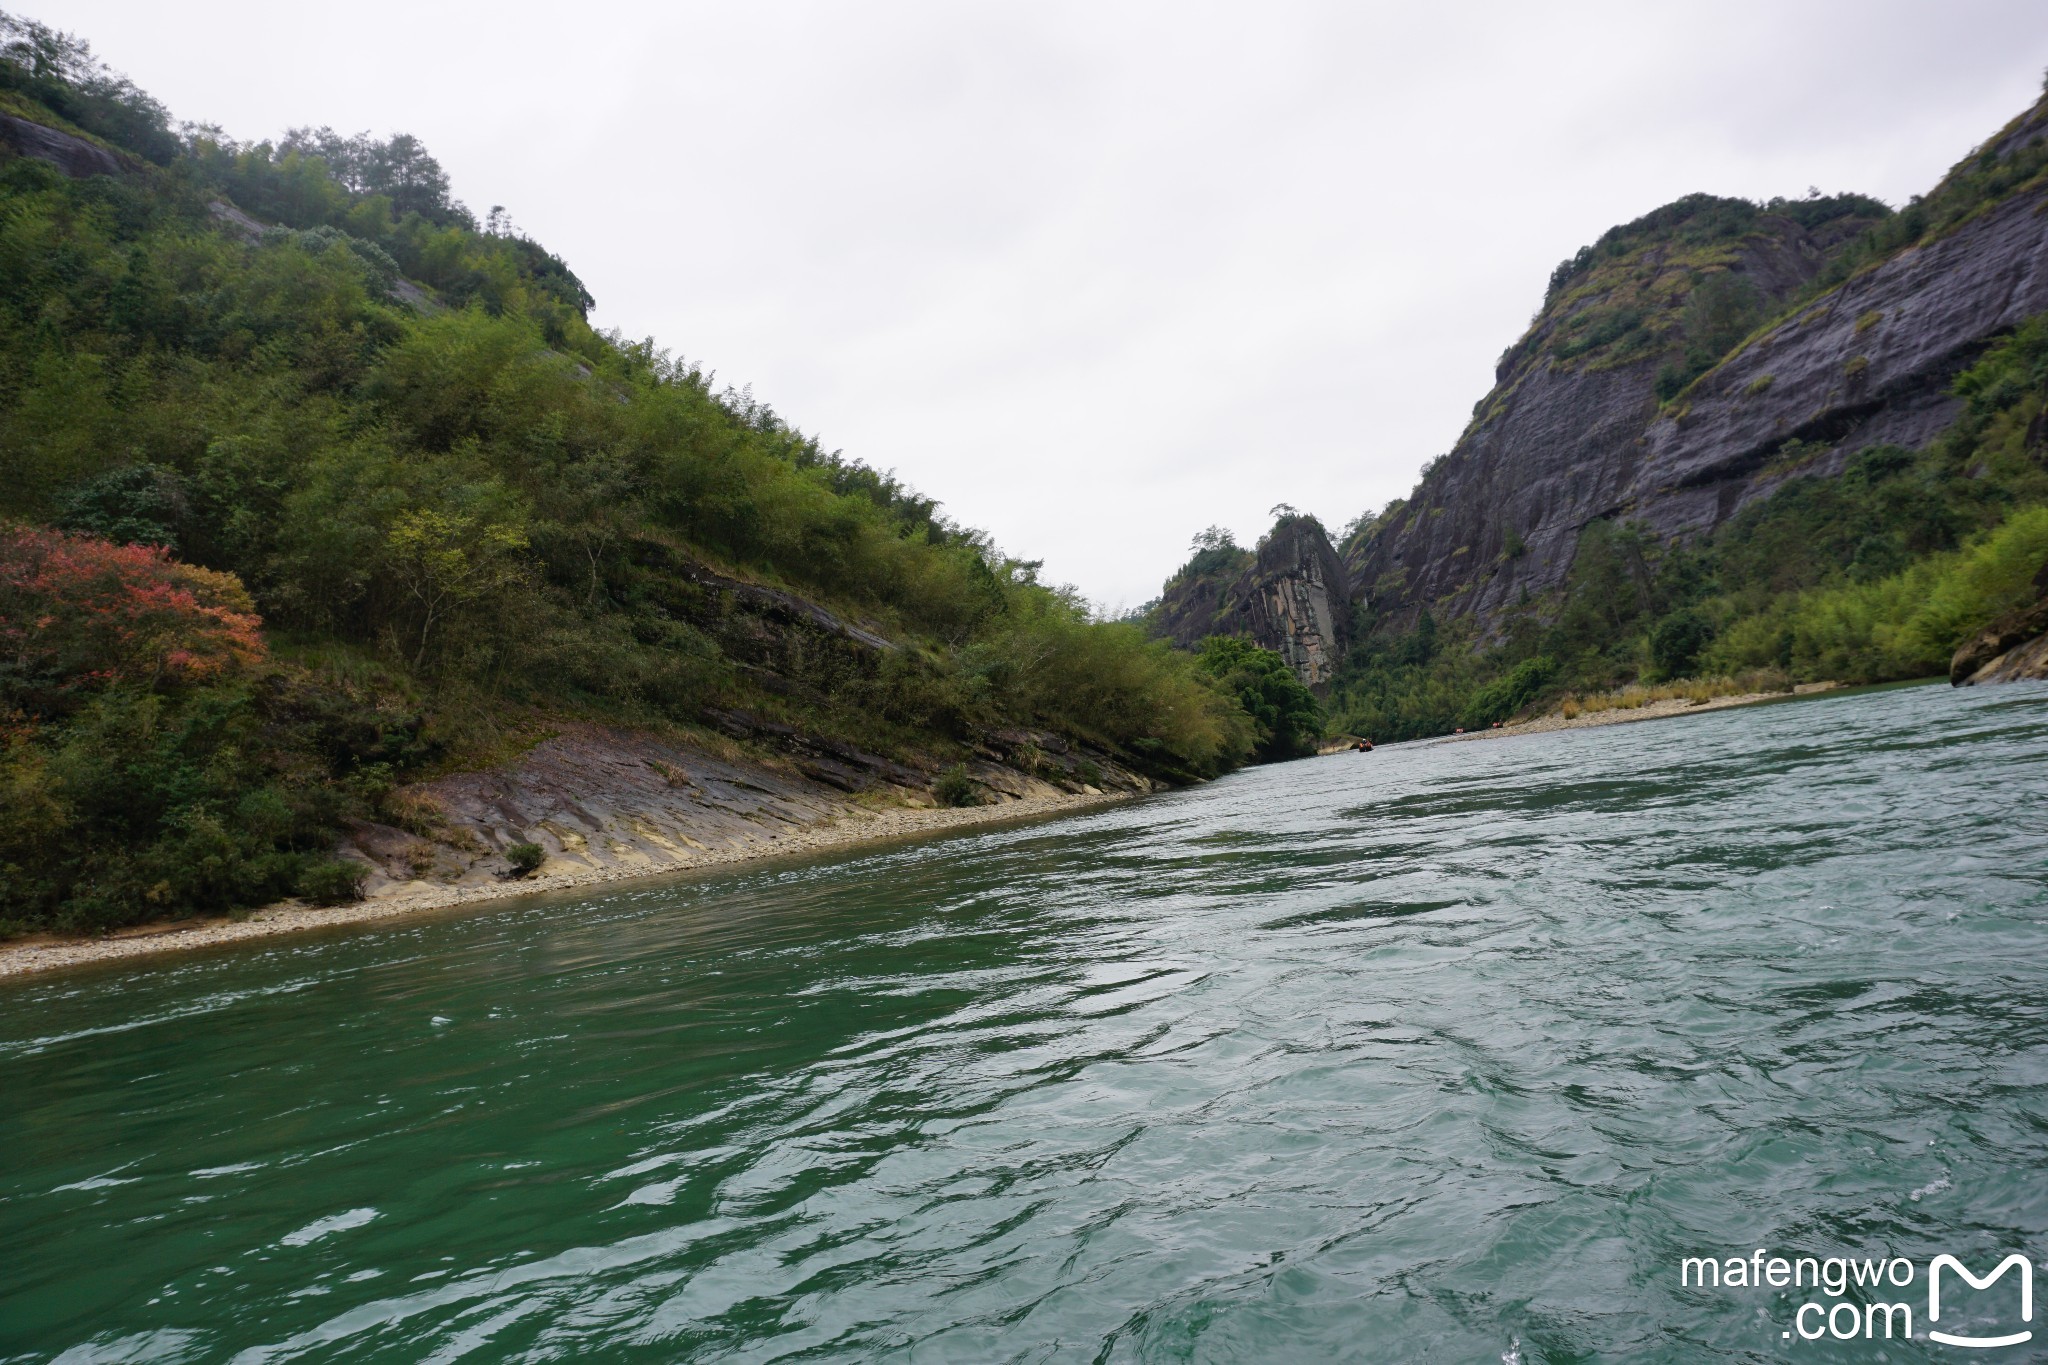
x,y
1506,695
135,504
78,612
956,788
1045,662
332,881
1676,642
144,805
1907,625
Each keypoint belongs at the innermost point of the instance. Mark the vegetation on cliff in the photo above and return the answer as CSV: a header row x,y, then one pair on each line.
x,y
1216,554
1673,282
329,398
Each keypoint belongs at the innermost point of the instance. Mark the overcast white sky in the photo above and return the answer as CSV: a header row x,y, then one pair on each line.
x,y
1098,275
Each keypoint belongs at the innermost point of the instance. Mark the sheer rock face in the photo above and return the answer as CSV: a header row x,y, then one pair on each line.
x,y
1868,363
1295,600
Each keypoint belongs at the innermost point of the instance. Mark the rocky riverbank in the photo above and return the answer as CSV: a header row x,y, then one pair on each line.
x,y
848,828
1654,710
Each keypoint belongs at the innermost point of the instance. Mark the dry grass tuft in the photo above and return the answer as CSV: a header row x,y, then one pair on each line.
x,y
1693,691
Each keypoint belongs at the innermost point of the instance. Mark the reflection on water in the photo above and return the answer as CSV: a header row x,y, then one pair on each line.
x,y
1444,1052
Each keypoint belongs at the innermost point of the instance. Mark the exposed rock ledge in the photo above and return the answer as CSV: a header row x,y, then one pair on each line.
x,y
602,799
74,156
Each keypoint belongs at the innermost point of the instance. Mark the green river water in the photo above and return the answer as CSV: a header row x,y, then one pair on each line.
x,y
1447,1052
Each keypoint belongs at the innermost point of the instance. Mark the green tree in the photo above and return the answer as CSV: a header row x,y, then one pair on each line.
x,y
448,561
1213,551
1508,694
1286,716
1677,640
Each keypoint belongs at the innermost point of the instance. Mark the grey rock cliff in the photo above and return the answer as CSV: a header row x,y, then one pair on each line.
x,y
1295,599
1868,363
1496,522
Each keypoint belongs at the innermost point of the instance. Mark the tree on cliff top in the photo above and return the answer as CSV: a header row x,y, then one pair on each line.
x,y
1215,551
59,71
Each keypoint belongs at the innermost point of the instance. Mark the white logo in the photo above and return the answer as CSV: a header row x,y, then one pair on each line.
x,y
2026,1270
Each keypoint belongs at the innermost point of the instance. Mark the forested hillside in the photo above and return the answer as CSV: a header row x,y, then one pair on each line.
x,y
316,483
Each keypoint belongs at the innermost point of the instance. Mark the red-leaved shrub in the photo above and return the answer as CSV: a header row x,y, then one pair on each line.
x,y
77,611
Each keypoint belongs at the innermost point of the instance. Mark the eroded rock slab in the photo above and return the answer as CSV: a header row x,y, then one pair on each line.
x,y
603,798
2010,649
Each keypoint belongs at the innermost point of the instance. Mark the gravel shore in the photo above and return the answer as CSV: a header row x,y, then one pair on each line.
x,y
848,832
1656,710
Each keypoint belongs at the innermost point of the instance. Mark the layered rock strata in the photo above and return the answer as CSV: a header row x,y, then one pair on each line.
x,y
2010,649
1295,599
606,799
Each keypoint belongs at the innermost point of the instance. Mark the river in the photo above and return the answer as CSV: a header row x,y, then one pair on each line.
x,y
1450,1052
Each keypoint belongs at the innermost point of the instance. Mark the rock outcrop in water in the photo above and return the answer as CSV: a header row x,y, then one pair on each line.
x,y
1294,599
1575,429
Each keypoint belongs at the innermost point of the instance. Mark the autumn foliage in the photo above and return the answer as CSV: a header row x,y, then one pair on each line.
x,y
77,612
146,770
